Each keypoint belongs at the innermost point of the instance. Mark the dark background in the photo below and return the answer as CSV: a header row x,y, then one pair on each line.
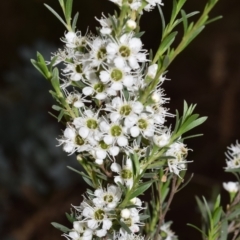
x,y
36,188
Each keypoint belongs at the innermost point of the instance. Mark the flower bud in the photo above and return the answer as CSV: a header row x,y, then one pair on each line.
x,y
131,24
125,213
231,187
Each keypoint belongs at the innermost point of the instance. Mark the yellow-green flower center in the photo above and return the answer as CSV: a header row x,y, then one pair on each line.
x,y
103,145
126,174
102,52
237,162
92,123
116,131
99,214
142,124
79,68
79,140
125,110
124,51
99,87
108,198
116,75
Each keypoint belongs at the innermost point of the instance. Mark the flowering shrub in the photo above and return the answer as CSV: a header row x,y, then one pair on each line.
x,y
110,99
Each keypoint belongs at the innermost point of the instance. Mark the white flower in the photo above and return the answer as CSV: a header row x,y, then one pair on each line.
x,y
117,77
76,99
144,125
73,142
178,153
97,89
127,50
113,133
102,150
125,173
122,109
96,217
130,216
106,24
98,52
74,40
87,125
162,139
127,236
233,156
76,70
166,232
80,231
107,199
231,187
151,4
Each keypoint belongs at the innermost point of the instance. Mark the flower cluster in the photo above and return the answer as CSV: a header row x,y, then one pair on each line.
x,y
98,215
233,156
107,77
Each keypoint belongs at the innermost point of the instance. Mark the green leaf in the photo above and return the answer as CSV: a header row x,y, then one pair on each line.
x,y
74,23
61,227
162,18
56,15
144,217
185,21
217,203
141,189
224,230
81,173
125,227
217,215
57,108
39,67
88,182
68,12
165,44
203,233
70,217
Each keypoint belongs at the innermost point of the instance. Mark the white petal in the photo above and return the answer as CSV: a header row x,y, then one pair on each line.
x,y
141,57
101,154
135,44
99,161
133,62
104,76
69,133
104,126
83,132
93,224
78,104
112,48
114,151
115,167
78,226
87,91
134,131
118,179
108,139
122,141
115,116
101,233
107,224
76,76
137,107
117,86
119,62
74,235
128,81
100,96
68,147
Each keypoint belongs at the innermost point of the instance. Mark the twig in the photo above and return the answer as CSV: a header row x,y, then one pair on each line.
x,y
162,215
